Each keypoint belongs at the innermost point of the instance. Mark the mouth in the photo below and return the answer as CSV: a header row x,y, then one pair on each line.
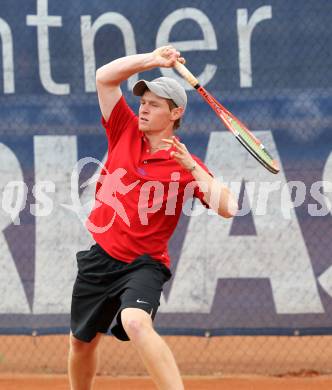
x,y
143,119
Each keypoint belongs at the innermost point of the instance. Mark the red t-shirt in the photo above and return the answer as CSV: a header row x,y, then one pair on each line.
x,y
139,196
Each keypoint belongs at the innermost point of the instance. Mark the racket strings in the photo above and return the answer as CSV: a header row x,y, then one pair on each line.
x,y
246,138
258,148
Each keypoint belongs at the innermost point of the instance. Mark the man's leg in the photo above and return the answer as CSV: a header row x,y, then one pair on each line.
x,y
153,350
82,362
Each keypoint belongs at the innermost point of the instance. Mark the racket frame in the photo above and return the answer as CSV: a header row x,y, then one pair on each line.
x,y
224,115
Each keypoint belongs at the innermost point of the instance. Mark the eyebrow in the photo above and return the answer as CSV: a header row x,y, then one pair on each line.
x,y
150,100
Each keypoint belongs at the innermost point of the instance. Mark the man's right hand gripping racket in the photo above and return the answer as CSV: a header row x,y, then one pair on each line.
x,y
240,131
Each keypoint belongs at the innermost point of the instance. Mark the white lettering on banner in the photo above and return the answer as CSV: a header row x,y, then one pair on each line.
x,y
13,298
208,43
245,28
7,57
277,253
60,234
89,31
42,20
325,279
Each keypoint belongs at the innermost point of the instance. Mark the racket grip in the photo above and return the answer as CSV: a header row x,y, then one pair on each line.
x,y
186,74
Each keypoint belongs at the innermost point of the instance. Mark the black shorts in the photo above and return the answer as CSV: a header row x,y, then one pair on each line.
x,y
104,286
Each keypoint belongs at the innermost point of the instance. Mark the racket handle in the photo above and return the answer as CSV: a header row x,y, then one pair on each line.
x,y
186,74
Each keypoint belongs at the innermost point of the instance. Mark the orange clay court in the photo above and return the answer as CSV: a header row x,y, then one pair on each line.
x,y
226,363
59,382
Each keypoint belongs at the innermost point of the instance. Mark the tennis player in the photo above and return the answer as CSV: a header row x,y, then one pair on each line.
x,y
147,177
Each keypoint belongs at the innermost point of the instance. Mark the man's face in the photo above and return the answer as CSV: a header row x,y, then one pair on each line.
x,y
154,113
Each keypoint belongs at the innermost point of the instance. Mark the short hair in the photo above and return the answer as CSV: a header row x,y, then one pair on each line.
x,y
172,105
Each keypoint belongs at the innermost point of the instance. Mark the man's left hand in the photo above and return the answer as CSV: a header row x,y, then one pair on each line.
x,y
181,155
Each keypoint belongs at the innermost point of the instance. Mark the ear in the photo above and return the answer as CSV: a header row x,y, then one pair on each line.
x,y
177,113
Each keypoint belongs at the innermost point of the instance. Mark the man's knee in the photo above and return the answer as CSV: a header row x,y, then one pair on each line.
x,y
82,347
136,323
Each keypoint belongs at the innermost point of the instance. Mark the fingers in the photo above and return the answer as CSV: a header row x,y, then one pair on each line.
x,y
170,54
170,50
168,141
181,154
167,51
175,154
179,145
176,143
171,141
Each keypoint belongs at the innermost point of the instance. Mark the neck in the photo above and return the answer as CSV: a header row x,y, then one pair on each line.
x,y
155,139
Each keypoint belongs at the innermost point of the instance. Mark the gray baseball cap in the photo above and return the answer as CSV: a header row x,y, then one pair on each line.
x,y
164,87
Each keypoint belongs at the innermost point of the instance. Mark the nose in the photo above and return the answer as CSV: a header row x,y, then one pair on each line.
x,y
144,109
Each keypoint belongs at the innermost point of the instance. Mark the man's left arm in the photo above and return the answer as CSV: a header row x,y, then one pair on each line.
x,y
216,194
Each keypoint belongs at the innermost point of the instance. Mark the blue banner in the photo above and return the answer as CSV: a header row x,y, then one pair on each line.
x,y
267,271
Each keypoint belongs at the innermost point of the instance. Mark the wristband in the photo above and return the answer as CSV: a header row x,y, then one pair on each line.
x,y
193,167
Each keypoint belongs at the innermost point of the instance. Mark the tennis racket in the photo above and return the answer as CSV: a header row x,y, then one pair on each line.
x,y
237,128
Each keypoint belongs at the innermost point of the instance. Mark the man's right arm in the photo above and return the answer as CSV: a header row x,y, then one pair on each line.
x,y
110,76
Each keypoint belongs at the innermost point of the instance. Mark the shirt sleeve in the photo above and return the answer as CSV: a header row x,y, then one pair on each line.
x,y
197,192
119,120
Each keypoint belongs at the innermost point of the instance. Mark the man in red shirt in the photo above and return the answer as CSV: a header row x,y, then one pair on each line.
x,y
147,177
